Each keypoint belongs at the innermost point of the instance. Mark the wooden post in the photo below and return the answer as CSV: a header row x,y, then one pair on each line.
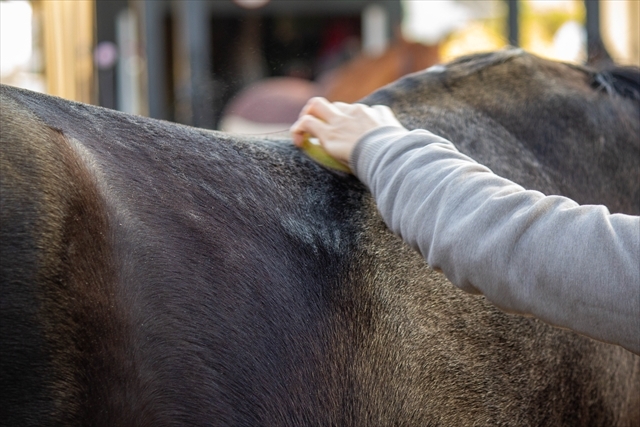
x,y
192,75
597,54
68,44
620,30
156,42
513,23
592,8
634,33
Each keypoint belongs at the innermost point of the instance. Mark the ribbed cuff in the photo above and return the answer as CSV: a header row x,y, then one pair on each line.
x,y
368,145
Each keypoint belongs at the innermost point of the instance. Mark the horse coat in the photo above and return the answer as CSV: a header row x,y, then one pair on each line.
x,y
157,274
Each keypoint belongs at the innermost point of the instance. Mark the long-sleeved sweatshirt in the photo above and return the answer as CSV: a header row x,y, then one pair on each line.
x,y
572,266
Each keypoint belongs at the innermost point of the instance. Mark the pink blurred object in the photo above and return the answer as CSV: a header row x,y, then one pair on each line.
x,y
270,105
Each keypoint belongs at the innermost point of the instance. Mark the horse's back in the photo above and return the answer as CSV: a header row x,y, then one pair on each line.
x,y
60,330
173,275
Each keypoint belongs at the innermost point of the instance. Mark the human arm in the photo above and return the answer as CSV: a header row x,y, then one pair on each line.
x,y
572,266
576,267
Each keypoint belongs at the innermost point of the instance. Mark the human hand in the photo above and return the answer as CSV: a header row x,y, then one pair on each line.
x,y
339,126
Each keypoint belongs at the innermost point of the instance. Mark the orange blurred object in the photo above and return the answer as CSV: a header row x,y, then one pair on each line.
x,y
364,74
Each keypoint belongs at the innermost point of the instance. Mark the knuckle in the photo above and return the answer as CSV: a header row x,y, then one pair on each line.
x,y
315,101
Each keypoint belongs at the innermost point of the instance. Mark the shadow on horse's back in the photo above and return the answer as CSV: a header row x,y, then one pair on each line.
x,y
157,274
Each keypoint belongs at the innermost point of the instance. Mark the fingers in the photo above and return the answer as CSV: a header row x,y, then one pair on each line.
x,y
343,106
307,124
321,108
339,126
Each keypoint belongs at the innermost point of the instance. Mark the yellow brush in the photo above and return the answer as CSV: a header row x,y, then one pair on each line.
x,y
320,156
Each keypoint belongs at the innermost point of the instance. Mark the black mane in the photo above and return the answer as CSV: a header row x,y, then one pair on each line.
x,y
474,63
621,81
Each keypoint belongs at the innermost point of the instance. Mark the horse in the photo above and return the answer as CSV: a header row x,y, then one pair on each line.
x,y
365,73
159,274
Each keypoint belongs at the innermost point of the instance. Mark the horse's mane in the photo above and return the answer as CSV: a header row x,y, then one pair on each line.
x,y
622,81
471,64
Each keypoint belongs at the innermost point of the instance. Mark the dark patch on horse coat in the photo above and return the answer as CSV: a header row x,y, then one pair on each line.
x,y
59,309
202,279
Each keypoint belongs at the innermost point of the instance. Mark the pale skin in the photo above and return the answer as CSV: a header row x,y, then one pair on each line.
x,y
339,126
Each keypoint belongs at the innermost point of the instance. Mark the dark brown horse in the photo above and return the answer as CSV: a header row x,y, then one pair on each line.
x,y
156,274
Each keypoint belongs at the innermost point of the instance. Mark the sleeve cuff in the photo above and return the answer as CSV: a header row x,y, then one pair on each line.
x,y
369,144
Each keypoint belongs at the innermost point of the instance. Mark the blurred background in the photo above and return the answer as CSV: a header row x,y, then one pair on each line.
x,y
249,65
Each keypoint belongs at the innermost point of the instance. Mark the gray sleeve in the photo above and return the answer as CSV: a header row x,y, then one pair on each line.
x,y
572,266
